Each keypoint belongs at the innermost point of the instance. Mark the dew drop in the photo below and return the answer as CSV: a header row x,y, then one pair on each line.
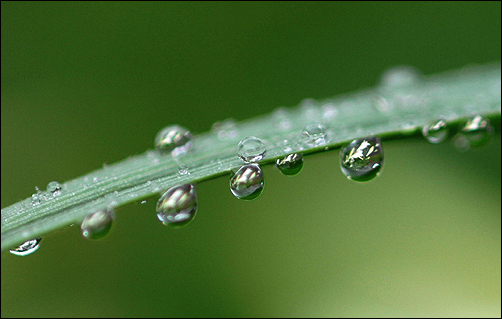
x,y
178,205
400,76
314,134
477,131
247,183
362,159
226,130
97,225
251,149
27,248
436,132
54,188
173,139
183,170
290,165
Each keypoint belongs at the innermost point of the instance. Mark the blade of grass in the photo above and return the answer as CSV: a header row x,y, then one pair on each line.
x,y
395,109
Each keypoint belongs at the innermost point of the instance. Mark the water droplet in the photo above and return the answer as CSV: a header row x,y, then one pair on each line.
x,y
477,131
183,170
143,202
247,183
362,159
291,164
27,248
178,205
173,139
436,132
251,149
329,112
97,225
400,76
54,188
314,134
226,130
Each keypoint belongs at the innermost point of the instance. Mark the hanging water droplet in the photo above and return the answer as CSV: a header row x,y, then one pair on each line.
x,y
436,132
400,76
178,205
27,248
291,164
54,188
477,131
314,134
183,170
97,225
362,159
247,183
251,149
173,139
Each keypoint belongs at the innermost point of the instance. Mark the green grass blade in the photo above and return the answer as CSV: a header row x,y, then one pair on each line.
x,y
395,109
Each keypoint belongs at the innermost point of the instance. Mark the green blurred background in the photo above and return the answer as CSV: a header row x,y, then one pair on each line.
x,y
90,83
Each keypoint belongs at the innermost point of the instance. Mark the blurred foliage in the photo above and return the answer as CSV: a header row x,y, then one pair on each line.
x,y
90,83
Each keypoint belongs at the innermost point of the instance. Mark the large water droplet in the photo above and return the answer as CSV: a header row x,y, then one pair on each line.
x,y
251,149
477,131
97,225
291,164
362,159
27,248
314,134
247,183
436,132
54,188
174,139
178,205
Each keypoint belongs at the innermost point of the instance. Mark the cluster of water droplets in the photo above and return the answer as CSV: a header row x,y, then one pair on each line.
x,y
53,190
475,132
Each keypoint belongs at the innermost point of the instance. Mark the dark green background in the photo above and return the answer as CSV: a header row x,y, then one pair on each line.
x,y
90,83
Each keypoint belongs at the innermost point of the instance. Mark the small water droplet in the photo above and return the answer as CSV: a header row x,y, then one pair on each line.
x,y
54,188
183,170
173,139
436,132
314,134
95,179
178,205
97,225
251,149
37,197
408,127
226,130
291,164
477,131
362,159
400,76
143,202
329,112
27,248
247,183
